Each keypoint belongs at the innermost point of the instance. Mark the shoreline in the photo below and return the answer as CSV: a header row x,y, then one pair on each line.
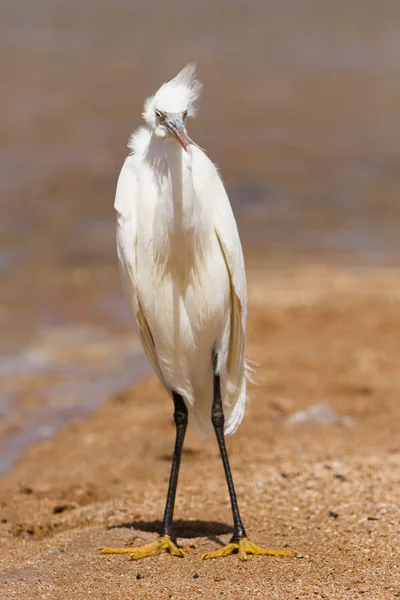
x,y
322,336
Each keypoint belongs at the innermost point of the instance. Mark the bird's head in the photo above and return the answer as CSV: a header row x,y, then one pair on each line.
x,y
166,112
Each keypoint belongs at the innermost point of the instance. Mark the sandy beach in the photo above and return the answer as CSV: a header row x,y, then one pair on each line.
x,y
300,112
323,337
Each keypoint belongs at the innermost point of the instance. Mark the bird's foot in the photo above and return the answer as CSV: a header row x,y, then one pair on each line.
x,y
163,543
244,547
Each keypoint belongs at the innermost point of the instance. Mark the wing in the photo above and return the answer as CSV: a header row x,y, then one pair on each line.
x,y
210,188
126,209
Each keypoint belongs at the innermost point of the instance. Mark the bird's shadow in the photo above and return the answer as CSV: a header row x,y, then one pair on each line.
x,y
182,528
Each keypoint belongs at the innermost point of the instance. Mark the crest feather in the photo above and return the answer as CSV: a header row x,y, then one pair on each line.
x,y
178,94
188,78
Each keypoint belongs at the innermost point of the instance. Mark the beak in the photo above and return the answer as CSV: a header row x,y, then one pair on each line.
x,y
176,127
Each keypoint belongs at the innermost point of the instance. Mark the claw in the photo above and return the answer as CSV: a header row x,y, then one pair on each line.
x,y
225,551
163,543
245,547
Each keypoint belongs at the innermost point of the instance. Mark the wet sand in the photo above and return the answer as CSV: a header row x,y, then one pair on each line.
x,y
329,491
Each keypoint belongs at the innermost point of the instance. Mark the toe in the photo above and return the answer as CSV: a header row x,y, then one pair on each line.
x,y
250,548
163,543
225,551
144,553
105,550
175,551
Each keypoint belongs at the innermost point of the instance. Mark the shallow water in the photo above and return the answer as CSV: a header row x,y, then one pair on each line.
x,y
300,111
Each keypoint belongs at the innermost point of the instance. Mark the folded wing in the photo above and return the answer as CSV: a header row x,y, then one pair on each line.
x,y
126,209
209,188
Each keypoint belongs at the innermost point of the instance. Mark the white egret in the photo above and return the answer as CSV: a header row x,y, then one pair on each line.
x,y
183,273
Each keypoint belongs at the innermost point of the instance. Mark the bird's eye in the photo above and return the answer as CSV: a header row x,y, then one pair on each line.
x,y
184,114
159,115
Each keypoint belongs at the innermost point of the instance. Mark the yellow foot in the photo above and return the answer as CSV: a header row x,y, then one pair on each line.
x,y
245,547
163,543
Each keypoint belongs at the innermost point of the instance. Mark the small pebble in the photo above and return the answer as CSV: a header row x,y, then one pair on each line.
x,y
333,514
196,576
140,576
60,508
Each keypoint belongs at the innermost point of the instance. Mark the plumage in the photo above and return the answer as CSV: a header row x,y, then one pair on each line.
x,y
183,273
182,264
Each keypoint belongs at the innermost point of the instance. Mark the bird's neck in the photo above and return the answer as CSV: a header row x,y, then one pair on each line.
x,y
177,206
179,214
181,189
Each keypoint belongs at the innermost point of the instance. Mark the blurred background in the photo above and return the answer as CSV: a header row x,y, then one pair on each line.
x,y
300,110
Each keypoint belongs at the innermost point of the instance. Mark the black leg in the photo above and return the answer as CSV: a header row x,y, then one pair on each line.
x,y
181,419
218,420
